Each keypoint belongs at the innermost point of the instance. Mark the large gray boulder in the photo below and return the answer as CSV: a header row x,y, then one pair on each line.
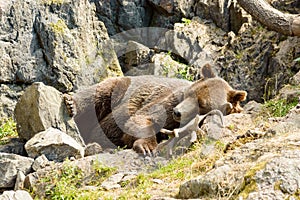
x,y
10,164
15,195
54,144
42,107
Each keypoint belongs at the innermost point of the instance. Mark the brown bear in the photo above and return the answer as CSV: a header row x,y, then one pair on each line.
x,y
130,111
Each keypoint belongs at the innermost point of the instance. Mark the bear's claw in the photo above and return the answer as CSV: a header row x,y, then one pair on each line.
x,y
70,104
144,146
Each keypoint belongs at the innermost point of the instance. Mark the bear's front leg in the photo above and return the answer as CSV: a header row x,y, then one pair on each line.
x,y
145,145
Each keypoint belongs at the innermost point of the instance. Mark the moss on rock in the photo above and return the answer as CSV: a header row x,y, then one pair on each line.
x,y
249,184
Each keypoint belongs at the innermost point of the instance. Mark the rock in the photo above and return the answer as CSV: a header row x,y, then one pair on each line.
x,y
54,144
162,198
47,109
123,15
19,185
289,93
164,65
137,59
9,95
15,195
113,182
253,108
166,13
14,146
10,165
225,13
92,149
126,163
57,56
270,76
185,42
65,49
129,176
31,180
277,179
295,80
261,167
208,184
40,163
157,181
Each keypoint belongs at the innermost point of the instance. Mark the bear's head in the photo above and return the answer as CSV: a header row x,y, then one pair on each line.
x,y
206,94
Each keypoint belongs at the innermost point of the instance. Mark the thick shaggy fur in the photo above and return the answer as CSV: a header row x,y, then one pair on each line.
x,y
131,111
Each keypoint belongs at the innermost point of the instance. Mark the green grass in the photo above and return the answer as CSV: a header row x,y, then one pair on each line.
x,y
186,21
278,108
8,129
183,168
65,184
184,74
68,183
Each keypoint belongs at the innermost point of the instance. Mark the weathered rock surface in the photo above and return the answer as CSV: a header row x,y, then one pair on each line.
x,y
263,168
226,14
14,146
127,163
265,58
10,164
54,144
137,59
19,185
164,65
15,195
52,46
66,44
40,163
41,107
92,149
113,182
8,97
62,44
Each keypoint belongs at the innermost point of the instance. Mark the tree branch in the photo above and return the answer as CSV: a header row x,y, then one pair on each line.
x,y
287,24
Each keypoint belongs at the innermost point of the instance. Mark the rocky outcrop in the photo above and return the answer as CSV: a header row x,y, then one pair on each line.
x,y
51,46
44,106
271,172
225,14
59,43
66,45
15,195
10,164
266,58
9,94
54,144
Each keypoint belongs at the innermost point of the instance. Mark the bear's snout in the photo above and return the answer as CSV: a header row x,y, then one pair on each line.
x,y
176,113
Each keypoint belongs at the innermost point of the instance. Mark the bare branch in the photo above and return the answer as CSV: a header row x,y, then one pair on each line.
x,y
287,24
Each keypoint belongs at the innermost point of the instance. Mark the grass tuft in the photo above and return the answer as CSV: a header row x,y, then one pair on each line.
x,y
278,108
8,129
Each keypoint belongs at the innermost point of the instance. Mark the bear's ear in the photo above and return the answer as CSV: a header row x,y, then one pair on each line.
x,y
207,71
237,95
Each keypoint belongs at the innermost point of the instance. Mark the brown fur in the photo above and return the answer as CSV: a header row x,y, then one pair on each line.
x,y
130,111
